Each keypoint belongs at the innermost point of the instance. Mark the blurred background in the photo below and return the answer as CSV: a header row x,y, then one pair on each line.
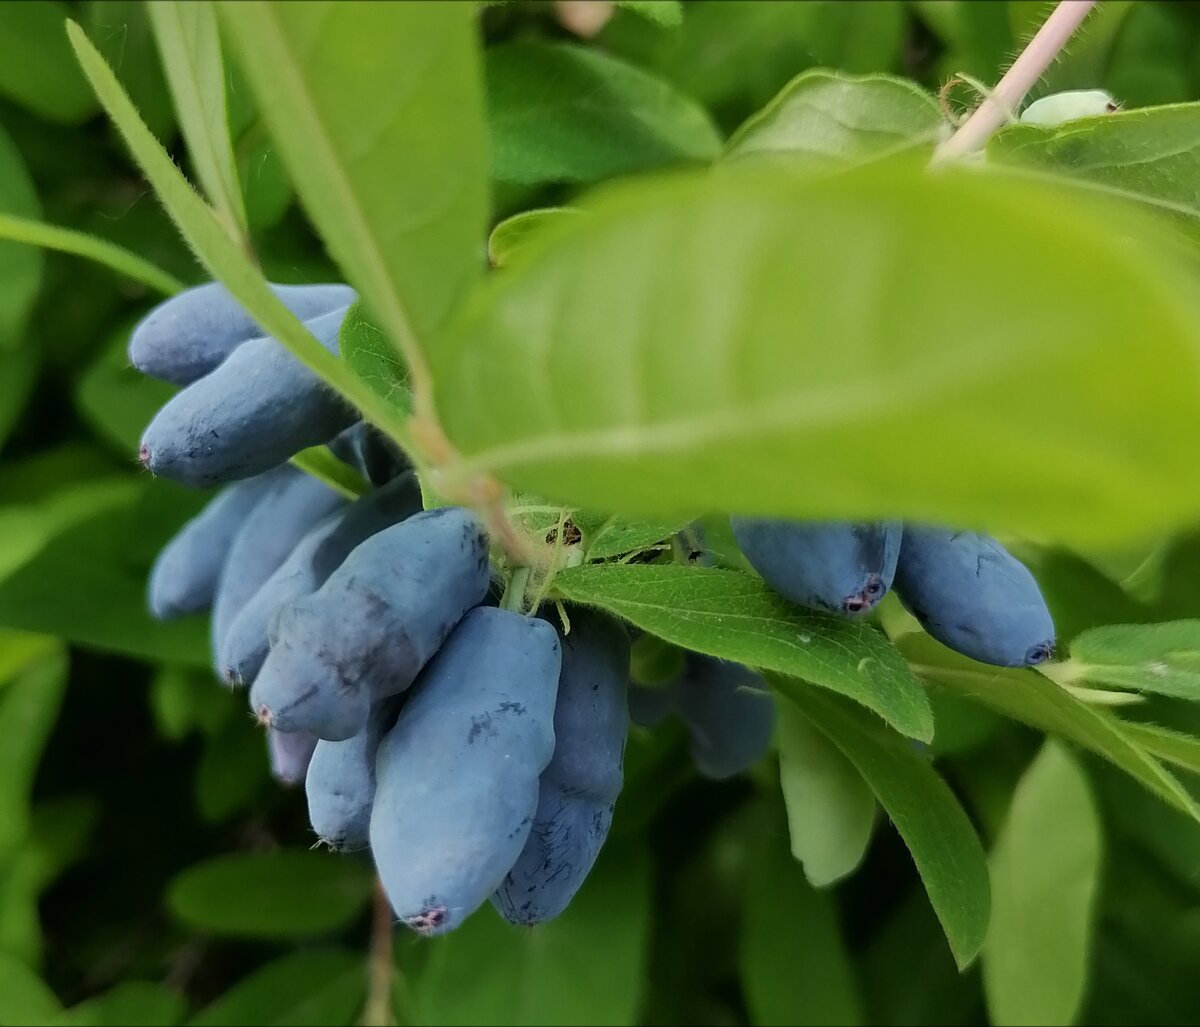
x,y
150,870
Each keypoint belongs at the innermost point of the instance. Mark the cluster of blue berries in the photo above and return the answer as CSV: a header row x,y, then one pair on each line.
x,y
966,589
475,751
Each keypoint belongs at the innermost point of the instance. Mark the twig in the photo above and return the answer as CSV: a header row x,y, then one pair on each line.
x,y
381,967
1017,81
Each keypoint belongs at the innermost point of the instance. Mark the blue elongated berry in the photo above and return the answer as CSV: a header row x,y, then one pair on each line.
x,y
290,755
367,632
457,777
188,335
729,714
185,574
307,567
840,568
291,508
341,782
578,789
974,596
254,411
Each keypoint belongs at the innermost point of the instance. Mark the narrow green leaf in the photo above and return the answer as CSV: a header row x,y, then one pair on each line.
x,y
563,113
828,119
737,617
934,826
286,894
28,710
322,464
90,247
217,251
512,235
123,33
187,38
1150,154
369,355
1029,697
549,974
1159,658
830,808
793,961
378,113
615,535
18,649
24,997
318,987
20,267
1174,746
692,339
1045,869
37,71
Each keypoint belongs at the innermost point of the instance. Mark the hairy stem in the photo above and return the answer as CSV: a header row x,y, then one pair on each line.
x,y
997,108
377,1010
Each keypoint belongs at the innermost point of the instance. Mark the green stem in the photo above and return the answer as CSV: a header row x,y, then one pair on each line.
x,y
377,1010
80,244
514,595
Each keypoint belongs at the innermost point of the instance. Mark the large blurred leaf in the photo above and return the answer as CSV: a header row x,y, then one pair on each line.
x,y
378,113
287,894
830,808
24,997
18,372
37,70
130,1003
794,965
20,266
1045,870
1026,696
584,967
737,617
563,113
692,342
1149,154
1162,658
117,399
934,826
829,119
82,572
187,38
318,987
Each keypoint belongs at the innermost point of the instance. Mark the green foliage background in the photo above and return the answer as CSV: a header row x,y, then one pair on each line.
x,y
150,871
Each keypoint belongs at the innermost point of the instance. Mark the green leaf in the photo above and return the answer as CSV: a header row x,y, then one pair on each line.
x,y
1159,658
37,71
1150,154
553,973
90,247
130,1003
694,340
122,31
737,617
18,372
20,267
667,13
285,894
830,808
322,986
18,649
828,119
324,465
1029,697
378,113
232,771
793,961
28,710
217,251
562,113
1045,870
617,535
373,359
187,38
1174,746
511,236
934,826
24,997
99,601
